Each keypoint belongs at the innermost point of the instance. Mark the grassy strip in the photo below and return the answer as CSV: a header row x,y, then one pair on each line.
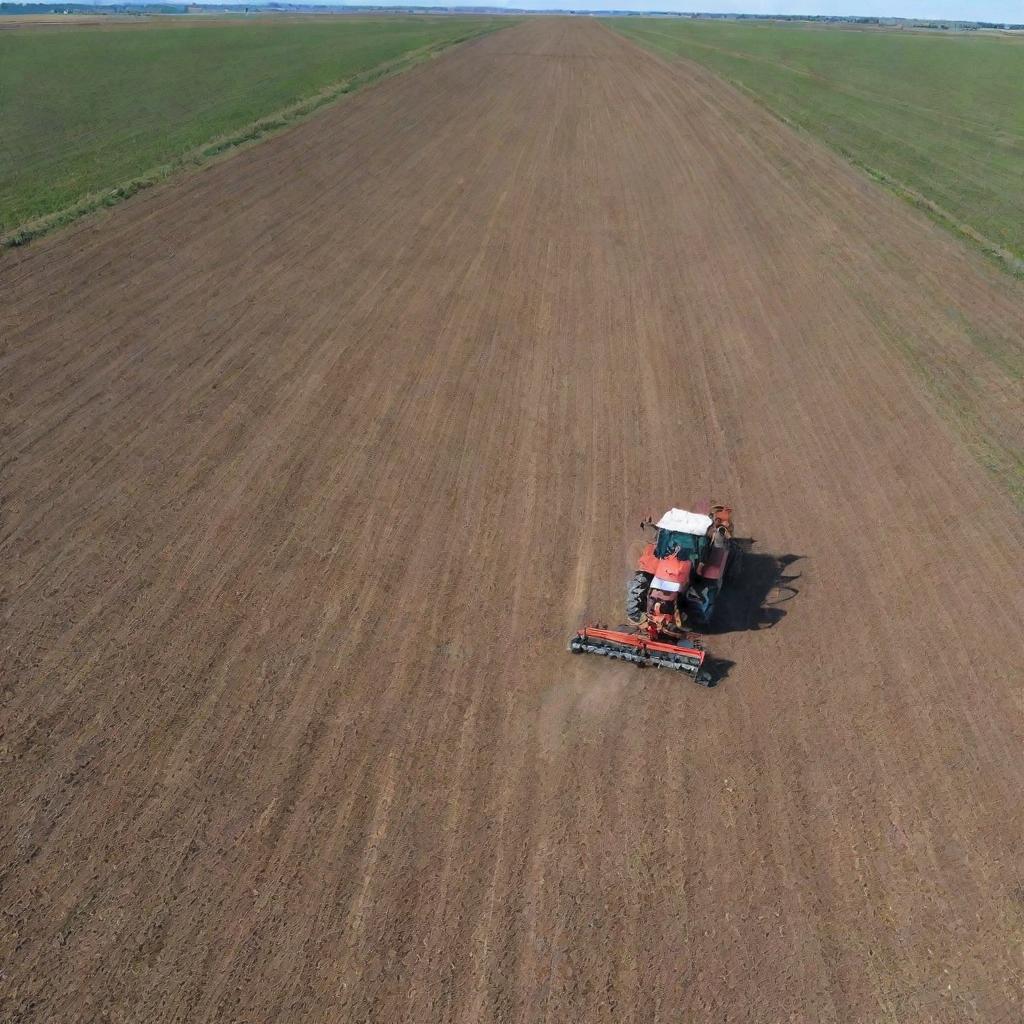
x,y
894,132
998,255
1003,258
964,408
244,136
937,120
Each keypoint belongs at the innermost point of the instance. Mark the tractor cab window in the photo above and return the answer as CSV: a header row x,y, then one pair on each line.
x,y
686,545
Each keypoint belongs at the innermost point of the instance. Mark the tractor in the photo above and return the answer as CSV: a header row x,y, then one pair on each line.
x,y
672,594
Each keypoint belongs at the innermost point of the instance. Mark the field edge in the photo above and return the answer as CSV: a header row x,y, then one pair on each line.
x,y
992,251
1002,460
224,146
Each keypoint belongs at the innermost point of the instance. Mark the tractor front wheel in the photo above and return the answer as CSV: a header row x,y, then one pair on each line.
x,y
636,597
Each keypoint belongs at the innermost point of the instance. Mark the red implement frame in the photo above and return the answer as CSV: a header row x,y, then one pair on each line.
x,y
638,649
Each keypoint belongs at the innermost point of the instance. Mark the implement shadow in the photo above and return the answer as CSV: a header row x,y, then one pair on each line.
x,y
754,597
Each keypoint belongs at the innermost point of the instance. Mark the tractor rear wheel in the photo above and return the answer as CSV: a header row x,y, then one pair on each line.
x,y
636,597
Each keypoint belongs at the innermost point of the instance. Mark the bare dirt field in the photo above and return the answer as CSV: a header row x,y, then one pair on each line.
x,y
313,460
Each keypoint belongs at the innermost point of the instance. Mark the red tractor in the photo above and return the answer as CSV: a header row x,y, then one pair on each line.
x,y
673,591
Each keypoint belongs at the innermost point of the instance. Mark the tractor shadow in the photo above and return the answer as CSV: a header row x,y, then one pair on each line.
x,y
754,597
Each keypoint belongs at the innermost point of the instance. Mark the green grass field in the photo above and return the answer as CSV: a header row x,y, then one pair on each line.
x,y
87,109
940,115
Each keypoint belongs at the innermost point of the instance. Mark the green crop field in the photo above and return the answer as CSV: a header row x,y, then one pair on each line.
x,y
938,115
91,108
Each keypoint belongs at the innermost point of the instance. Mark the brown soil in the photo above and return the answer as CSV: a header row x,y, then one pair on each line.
x,y
314,460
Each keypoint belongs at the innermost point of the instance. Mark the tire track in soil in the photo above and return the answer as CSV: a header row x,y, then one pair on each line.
x,y
311,464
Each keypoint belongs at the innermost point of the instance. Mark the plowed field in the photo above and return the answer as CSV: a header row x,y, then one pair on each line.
x,y
313,460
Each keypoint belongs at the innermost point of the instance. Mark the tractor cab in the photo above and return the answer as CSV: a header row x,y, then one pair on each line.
x,y
683,534
690,550
685,546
